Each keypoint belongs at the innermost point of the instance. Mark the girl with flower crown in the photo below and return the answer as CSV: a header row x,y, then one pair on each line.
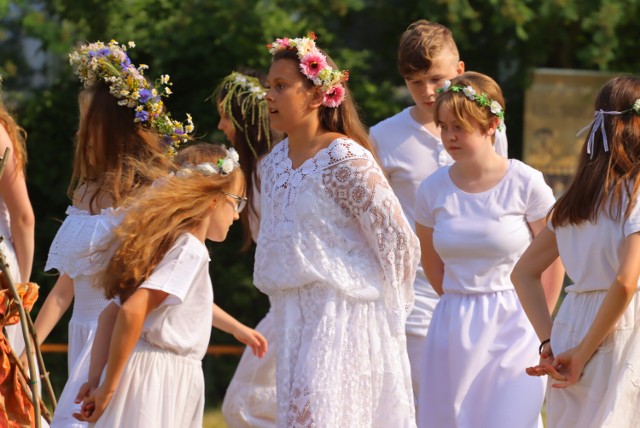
x,y
111,130
157,329
592,348
250,399
16,214
335,254
474,219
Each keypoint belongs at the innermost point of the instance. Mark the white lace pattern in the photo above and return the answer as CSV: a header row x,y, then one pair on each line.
x,y
338,257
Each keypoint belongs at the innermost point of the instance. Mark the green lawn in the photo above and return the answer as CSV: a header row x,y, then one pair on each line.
x,y
213,419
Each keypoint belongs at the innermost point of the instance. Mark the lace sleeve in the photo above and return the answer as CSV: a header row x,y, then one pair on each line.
x,y
360,189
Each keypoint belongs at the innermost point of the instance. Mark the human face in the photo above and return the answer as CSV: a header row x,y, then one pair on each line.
x,y
459,142
423,86
223,211
226,125
289,96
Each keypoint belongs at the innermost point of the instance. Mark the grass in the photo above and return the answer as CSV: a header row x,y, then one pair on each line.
x,y
213,419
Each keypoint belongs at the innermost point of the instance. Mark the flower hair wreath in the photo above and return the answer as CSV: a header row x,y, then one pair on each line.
x,y
313,64
224,166
249,94
482,100
110,63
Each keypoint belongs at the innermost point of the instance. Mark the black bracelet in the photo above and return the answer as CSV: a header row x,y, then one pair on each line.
x,y
544,342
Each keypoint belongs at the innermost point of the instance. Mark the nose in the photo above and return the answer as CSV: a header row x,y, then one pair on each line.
x,y
269,96
220,124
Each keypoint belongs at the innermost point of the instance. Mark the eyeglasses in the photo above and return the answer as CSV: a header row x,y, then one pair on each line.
x,y
241,201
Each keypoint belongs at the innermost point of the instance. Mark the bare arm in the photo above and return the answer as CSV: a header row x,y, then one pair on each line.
x,y
13,189
553,277
99,350
568,366
54,307
126,332
250,337
431,261
527,280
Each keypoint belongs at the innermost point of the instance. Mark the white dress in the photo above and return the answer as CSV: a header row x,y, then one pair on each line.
x,y
250,400
73,252
608,392
408,154
338,259
480,340
162,385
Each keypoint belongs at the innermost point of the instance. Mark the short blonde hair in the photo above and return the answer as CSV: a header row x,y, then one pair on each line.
x,y
463,108
420,43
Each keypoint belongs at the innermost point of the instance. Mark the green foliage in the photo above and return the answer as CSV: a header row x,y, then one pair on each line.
x,y
198,42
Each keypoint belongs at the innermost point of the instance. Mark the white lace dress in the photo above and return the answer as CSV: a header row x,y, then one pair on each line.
x,y
72,253
338,259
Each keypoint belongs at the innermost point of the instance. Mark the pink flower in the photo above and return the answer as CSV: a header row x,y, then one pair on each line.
x,y
312,63
333,97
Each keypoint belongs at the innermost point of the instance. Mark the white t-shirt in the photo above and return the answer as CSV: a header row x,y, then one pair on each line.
x,y
591,251
480,236
409,153
182,322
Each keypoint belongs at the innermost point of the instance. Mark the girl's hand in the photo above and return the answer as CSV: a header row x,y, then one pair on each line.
x,y
546,358
93,405
251,338
567,368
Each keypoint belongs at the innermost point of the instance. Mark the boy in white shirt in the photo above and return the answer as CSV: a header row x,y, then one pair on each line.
x,y
409,148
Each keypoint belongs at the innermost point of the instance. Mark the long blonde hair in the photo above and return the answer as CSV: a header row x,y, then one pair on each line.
x,y
155,217
17,135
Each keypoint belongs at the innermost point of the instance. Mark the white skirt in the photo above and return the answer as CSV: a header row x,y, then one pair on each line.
x,y
81,335
608,393
477,349
250,400
158,389
339,362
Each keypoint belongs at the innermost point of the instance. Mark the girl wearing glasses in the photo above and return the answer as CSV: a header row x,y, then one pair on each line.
x,y
159,276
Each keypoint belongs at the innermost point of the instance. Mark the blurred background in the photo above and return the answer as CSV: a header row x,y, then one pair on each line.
x,y
198,42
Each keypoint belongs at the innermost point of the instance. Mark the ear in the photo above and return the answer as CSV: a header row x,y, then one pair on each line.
x,y
316,97
213,203
460,68
493,126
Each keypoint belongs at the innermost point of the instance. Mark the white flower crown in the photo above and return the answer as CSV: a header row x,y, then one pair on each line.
x,y
482,100
224,166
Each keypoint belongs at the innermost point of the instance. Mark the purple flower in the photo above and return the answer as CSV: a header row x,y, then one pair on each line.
x,y
145,95
178,131
142,116
126,63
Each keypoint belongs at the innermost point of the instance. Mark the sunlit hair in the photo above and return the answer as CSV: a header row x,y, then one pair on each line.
x,y
343,119
157,215
106,137
465,110
18,137
605,180
420,43
252,130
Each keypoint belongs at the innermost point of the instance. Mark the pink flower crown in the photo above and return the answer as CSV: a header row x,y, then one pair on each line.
x,y
313,64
